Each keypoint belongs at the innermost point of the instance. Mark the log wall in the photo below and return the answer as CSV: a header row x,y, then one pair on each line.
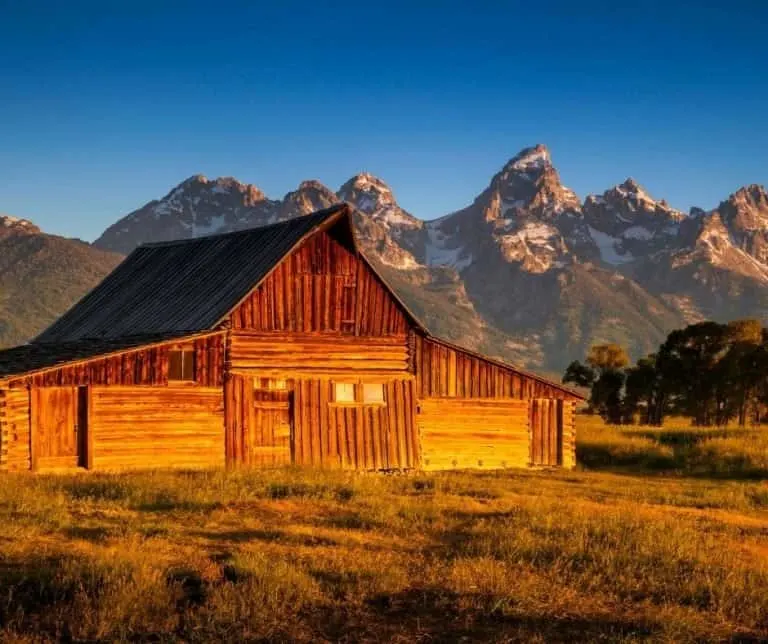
x,y
458,433
312,354
14,430
147,366
152,427
322,287
444,371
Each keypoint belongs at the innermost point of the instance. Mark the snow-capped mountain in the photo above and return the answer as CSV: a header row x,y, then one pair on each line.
x,y
527,271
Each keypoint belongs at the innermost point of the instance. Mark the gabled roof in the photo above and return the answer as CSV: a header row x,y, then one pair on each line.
x,y
183,286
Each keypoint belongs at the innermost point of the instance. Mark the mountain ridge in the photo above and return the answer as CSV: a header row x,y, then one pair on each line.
x,y
527,271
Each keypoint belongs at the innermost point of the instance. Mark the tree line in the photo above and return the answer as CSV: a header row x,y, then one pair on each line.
x,y
712,373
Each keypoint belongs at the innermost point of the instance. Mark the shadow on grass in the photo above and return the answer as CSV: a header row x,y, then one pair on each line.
x,y
244,536
440,615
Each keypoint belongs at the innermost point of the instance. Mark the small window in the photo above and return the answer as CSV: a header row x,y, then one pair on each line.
x,y
373,393
181,364
344,392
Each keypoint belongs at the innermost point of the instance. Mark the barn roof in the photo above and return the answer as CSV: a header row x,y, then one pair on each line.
x,y
183,286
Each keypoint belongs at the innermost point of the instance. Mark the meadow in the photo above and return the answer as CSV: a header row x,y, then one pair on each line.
x,y
660,535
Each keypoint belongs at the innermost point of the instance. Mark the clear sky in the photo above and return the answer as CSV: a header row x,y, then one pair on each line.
x,y
106,105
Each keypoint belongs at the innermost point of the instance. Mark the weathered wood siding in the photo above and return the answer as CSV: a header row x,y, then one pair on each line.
x,y
295,354
325,433
354,435
553,433
473,433
147,366
14,430
443,371
322,287
152,427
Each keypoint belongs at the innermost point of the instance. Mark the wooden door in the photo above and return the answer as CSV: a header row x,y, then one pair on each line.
x,y
272,438
57,438
546,432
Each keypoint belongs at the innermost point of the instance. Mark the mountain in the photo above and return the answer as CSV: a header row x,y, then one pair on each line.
x,y
534,268
41,276
527,271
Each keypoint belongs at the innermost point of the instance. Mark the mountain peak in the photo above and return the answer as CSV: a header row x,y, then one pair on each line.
x,y
367,192
10,224
533,158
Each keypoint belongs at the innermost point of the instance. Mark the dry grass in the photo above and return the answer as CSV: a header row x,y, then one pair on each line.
x,y
669,546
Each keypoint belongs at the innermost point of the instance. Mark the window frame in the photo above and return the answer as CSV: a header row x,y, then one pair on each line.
x,y
187,358
358,394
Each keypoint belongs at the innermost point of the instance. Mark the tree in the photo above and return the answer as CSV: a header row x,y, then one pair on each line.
x,y
604,376
607,357
643,393
689,370
579,374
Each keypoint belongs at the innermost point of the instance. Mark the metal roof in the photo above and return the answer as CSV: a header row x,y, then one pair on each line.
x,y
183,286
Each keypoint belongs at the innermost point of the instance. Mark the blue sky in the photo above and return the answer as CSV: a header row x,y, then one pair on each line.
x,y
104,106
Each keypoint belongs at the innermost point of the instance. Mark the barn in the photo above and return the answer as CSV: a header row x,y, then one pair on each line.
x,y
270,346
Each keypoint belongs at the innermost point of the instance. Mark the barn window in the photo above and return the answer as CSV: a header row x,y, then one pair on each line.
x,y
344,392
373,393
181,364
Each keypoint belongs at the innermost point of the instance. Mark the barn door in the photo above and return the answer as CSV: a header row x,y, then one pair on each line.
x,y
546,422
272,428
58,426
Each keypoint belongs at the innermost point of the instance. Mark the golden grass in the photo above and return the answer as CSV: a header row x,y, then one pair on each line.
x,y
657,542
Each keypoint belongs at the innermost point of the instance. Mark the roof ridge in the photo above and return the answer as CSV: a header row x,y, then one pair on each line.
x,y
318,214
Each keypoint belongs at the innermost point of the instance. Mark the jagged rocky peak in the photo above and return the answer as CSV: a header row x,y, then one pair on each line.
x,y
746,209
367,193
531,159
310,196
10,225
372,196
528,184
246,193
634,221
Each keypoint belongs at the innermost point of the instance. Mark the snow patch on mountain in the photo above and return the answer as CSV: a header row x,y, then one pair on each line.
x,y
637,232
439,252
607,245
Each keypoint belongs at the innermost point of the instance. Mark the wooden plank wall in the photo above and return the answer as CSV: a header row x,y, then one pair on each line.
x,y
322,287
328,434
553,433
286,354
239,419
355,436
153,427
443,371
14,430
569,434
459,433
137,367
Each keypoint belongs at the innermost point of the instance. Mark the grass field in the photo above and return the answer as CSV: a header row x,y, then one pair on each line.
x,y
662,535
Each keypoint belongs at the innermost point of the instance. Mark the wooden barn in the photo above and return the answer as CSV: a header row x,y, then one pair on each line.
x,y
268,346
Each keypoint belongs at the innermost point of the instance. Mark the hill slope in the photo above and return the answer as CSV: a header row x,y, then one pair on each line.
x,y
41,276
